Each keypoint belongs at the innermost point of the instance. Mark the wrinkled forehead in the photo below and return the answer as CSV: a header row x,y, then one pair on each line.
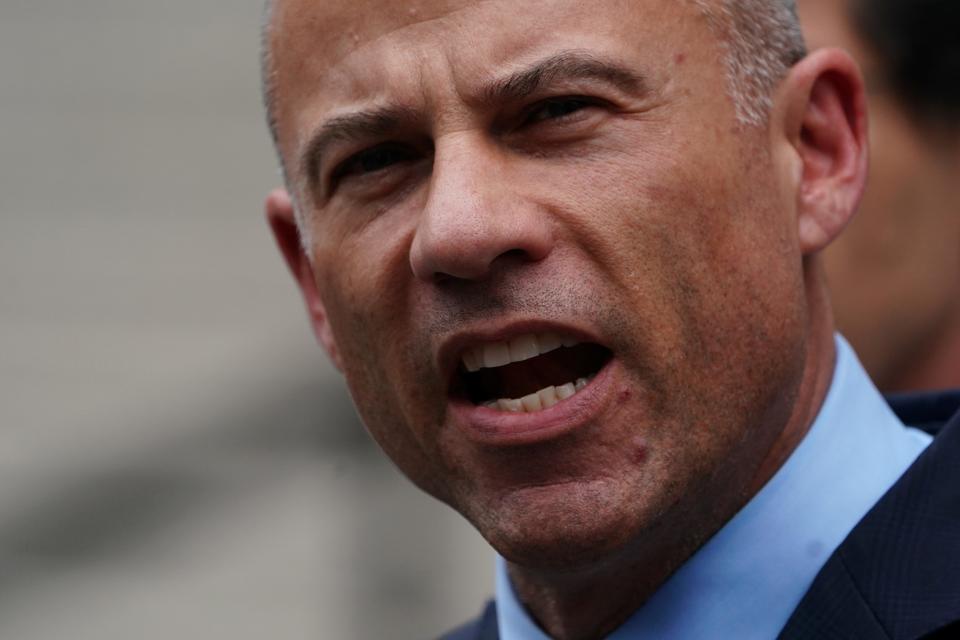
x,y
333,54
330,29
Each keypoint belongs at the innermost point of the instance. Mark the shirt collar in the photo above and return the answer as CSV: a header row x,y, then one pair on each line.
x,y
747,580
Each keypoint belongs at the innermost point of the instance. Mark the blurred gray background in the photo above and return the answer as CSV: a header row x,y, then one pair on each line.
x,y
177,457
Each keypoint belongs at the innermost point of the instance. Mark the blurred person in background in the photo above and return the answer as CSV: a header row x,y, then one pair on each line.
x,y
568,256
895,273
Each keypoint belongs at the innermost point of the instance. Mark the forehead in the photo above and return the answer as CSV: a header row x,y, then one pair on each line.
x,y
336,54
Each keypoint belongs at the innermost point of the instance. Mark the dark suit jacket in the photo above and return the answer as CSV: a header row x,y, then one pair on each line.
x,y
897,575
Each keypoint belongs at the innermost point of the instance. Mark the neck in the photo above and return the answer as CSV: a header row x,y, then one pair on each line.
x,y
592,602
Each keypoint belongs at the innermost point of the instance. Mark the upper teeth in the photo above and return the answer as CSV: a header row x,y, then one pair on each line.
x,y
498,354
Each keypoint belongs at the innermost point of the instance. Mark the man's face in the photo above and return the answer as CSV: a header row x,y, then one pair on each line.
x,y
889,273
566,173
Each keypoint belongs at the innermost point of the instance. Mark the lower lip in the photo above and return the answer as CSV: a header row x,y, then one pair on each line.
x,y
491,427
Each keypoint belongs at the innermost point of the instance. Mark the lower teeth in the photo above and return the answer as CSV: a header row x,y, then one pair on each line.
x,y
543,399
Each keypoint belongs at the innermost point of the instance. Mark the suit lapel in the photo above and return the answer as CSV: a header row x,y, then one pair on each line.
x,y
488,624
482,628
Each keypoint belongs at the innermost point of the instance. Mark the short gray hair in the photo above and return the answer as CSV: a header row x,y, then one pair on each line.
x,y
267,69
761,41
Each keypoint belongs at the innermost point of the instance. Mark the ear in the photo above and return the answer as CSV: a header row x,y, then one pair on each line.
x,y
283,222
824,120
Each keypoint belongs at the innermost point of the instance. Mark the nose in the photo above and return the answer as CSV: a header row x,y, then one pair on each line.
x,y
475,215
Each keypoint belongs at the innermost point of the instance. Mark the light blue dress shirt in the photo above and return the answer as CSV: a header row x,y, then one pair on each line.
x,y
746,581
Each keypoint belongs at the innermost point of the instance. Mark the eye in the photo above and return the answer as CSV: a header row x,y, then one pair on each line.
x,y
556,109
372,160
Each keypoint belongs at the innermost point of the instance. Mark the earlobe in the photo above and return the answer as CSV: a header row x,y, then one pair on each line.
x,y
826,124
280,215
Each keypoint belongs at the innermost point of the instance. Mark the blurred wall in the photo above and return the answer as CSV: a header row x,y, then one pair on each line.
x,y
177,458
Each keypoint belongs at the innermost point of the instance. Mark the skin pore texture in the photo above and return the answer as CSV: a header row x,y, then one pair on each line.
x,y
471,173
895,274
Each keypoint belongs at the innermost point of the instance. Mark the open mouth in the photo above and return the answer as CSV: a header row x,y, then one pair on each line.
x,y
529,373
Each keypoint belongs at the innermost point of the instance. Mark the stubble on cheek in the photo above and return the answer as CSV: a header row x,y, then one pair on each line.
x,y
734,334
393,387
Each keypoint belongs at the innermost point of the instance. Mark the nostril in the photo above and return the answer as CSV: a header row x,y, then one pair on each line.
x,y
512,258
443,278
517,254
467,274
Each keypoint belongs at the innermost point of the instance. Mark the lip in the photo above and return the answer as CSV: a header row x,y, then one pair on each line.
x,y
491,427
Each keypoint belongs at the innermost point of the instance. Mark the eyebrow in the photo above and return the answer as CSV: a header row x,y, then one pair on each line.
x,y
381,121
567,65
352,127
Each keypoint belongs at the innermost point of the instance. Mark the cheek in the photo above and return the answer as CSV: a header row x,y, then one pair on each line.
x,y
365,283
395,398
728,286
364,277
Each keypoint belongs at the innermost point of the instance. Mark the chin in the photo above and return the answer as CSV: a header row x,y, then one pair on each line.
x,y
559,527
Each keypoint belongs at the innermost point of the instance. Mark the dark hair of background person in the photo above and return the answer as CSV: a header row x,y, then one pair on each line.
x,y
918,46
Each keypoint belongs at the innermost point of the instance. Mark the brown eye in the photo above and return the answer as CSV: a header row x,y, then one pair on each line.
x,y
373,160
557,109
